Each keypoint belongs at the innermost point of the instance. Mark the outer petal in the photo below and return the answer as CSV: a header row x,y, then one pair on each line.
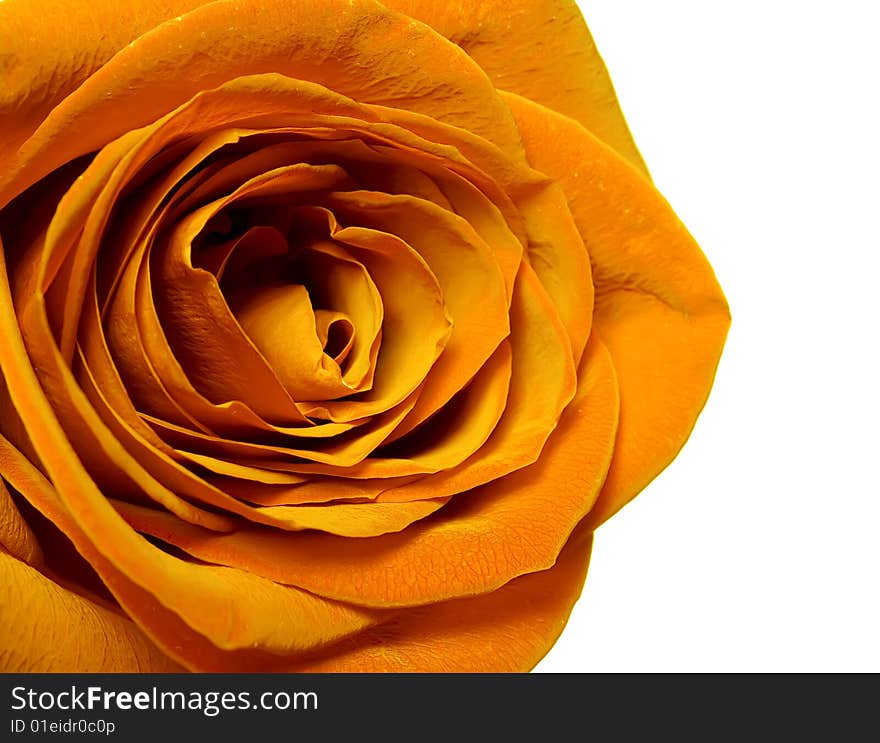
x,y
659,308
355,47
503,36
540,49
73,634
508,630
75,39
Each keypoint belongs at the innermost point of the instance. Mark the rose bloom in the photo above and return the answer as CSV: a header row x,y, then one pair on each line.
x,y
331,330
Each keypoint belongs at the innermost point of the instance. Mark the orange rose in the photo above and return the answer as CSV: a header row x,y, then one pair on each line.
x,y
331,330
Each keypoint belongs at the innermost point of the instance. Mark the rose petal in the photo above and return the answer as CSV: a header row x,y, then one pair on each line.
x,y
507,37
559,259
228,457
508,630
342,519
543,381
449,438
659,308
75,39
53,630
357,47
307,491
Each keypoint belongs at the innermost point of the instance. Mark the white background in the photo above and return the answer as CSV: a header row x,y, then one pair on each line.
x,y
758,549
